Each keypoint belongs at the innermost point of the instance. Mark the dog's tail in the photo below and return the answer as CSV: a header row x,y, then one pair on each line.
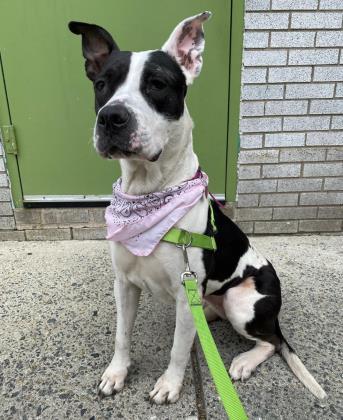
x,y
299,370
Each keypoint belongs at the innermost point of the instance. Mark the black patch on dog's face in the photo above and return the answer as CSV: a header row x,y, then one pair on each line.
x,y
113,138
112,75
163,85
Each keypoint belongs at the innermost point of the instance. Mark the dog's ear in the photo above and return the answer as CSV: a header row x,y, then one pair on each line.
x,y
97,45
186,44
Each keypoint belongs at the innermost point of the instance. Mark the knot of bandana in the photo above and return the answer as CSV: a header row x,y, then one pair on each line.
x,y
140,222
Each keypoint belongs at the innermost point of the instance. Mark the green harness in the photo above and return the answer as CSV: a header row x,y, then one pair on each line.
x,y
227,393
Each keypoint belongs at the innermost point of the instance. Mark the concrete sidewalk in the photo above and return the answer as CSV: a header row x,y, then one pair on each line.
x,y
57,336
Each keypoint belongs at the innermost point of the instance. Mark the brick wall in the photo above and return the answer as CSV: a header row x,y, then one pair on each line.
x,y
6,212
291,159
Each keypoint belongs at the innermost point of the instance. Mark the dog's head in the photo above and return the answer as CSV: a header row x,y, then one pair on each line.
x,y
140,95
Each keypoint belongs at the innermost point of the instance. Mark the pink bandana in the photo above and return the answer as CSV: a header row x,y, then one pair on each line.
x,y
140,221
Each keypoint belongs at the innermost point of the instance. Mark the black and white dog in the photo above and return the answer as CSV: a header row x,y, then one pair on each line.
x,y
143,121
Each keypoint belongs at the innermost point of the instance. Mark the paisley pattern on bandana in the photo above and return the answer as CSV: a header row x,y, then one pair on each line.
x,y
140,222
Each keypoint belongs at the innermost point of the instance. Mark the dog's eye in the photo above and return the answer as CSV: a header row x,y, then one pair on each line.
x,y
99,86
158,84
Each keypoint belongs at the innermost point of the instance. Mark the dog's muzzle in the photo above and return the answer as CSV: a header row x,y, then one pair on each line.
x,y
115,124
113,118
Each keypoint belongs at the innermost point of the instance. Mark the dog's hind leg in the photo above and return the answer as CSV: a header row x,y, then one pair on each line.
x,y
210,314
213,307
252,309
245,363
127,298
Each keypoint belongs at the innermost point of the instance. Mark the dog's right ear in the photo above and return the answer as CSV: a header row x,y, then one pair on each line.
x,y
186,45
97,45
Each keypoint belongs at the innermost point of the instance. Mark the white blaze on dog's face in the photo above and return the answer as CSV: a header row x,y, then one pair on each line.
x,y
139,96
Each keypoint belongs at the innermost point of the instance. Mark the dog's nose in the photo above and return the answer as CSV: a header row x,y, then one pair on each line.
x,y
113,117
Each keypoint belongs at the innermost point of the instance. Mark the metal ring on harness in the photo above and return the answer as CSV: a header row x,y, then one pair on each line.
x,y
186,245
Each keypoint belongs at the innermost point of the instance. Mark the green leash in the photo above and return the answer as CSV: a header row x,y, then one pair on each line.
x,y
227,393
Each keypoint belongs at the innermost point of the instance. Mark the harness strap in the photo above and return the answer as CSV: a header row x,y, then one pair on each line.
x,y
212,220
183,237
198,240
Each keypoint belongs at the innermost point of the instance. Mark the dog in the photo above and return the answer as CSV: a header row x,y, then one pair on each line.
x,y
142,120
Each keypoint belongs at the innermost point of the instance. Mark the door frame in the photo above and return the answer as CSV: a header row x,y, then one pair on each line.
x,y
235,51
234,98
11,161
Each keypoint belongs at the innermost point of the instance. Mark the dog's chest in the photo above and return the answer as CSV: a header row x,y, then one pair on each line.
x,y
149,273
159,272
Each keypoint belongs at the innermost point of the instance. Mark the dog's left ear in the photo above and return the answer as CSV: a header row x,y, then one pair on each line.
x,y
186,44
97,45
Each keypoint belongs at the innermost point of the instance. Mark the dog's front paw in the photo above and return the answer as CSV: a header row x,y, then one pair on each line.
x,y
112,380
167,389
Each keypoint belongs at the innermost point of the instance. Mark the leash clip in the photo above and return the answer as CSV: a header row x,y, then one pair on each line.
x,y
185,256
188,274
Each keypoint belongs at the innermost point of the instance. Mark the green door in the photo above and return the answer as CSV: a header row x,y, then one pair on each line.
x,y
50,101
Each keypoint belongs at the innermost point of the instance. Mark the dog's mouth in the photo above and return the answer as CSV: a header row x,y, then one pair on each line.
x,y
116,153
155,157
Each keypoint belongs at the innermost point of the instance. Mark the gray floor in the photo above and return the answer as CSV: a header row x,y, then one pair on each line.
x,y
57,335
